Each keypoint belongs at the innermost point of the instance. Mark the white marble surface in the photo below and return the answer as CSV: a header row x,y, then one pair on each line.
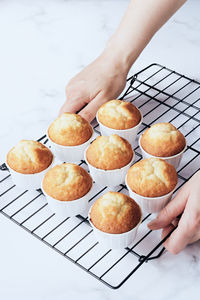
x,y
44,43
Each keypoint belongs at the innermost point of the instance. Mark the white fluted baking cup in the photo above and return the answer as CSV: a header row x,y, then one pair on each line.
x,y
173,160
128,134
110,178
115,240
150,204
71,208
28,181
70,154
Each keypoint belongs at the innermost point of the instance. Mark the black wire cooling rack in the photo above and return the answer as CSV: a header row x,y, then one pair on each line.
x,y
162,95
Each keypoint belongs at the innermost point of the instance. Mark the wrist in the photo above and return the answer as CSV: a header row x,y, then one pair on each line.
x,y
119,58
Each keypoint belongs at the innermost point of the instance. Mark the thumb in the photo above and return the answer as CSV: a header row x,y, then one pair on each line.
x,y
89,112
174,208
72,106
77,96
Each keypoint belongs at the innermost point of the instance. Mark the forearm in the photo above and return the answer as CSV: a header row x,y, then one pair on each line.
x,y
143,18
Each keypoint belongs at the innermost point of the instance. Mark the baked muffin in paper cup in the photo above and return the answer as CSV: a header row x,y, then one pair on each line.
x,y
117,226
121,118
68,188
109,159
28,162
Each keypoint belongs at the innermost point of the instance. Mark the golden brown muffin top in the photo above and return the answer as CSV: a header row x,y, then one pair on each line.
x,y
29,157
115,213
163,140
67,182
152,177
70,130
119,114
109,152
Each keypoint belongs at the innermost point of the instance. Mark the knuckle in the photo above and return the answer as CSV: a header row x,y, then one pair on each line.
x,y
74,92
69,90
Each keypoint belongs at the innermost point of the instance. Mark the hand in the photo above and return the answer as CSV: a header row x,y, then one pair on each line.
x,y
105,78
187,203
102,80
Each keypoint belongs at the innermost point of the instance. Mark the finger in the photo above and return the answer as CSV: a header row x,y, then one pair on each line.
x,y
175,222
77,95
174,208
192,215
184,233
188,227
178,239
166,230
89,112
72,106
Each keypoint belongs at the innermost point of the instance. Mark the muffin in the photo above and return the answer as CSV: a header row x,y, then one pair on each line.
x,y
29,157
163,140
115,218
108,159
115,213
151,183
119,114
28,161
152,177
67,182
119,117
69,135
70,130
109,152
67,188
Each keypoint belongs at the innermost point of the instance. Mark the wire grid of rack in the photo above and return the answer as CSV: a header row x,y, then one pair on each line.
x,y
162,95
